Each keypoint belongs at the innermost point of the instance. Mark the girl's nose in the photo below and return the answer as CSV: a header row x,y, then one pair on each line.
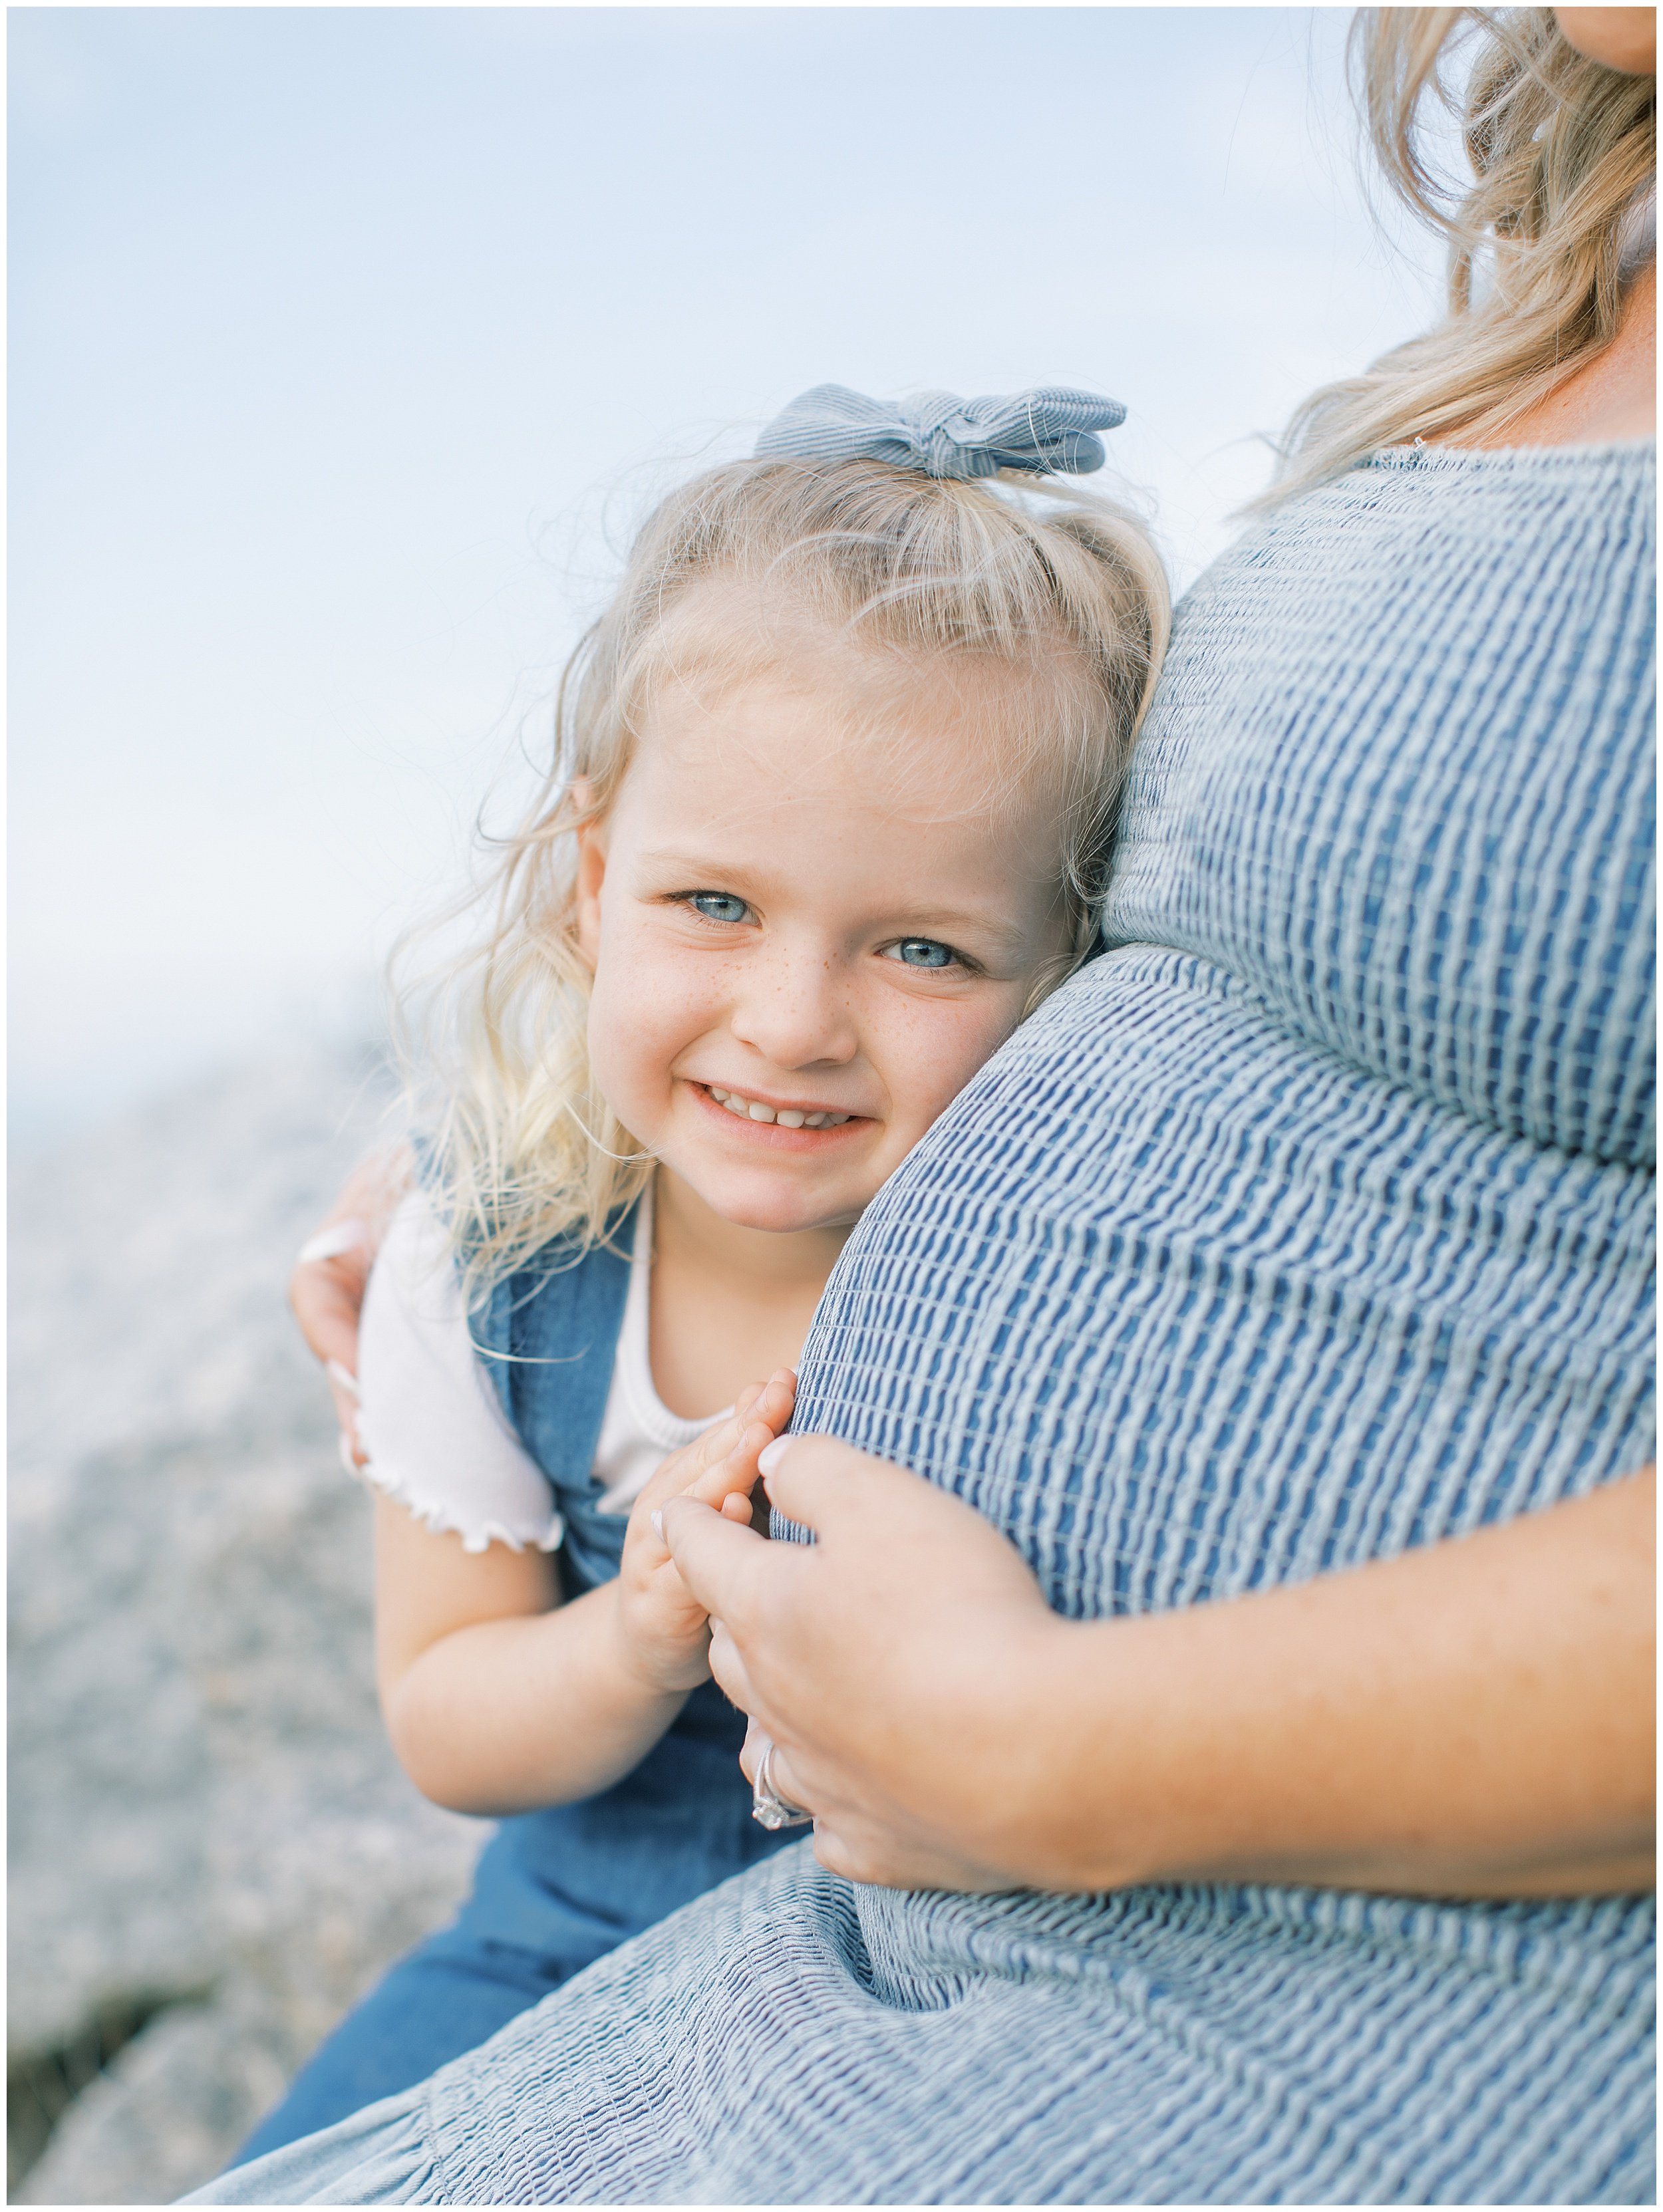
x,y
796,1012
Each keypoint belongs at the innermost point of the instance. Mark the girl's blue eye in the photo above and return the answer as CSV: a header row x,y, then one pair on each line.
x,y
922,953
719,906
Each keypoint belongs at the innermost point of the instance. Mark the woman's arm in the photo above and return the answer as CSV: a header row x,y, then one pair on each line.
x,y
331,1269
1471,1719
497,1698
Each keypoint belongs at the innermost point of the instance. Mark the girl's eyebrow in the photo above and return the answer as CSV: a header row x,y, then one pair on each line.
x,y
948,922
693,863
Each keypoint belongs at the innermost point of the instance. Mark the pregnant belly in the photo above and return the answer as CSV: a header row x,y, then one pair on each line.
x,y
1188,1306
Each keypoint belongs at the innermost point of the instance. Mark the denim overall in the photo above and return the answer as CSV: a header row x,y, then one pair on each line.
x,y
553,1890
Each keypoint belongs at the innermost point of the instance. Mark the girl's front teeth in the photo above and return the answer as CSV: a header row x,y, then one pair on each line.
x,y
752,1109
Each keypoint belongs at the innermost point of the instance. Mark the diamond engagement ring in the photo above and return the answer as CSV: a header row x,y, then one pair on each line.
x,y
767,1805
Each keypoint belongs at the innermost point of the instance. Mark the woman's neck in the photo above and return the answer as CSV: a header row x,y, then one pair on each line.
x,y
1613,400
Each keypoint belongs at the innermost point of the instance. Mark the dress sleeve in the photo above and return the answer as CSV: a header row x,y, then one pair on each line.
x,y
434,1431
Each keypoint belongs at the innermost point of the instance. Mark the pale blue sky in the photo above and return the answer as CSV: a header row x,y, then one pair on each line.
x,y
345,342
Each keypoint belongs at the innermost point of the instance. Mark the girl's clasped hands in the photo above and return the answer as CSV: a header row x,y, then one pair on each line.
x,y
665,1631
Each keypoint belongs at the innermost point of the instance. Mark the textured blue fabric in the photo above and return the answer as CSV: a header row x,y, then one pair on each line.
x,y
1042,432
1313,1222
555,1889
548,1334
570,1881
449,1994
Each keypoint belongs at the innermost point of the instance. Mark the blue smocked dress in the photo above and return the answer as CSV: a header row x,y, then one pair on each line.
x,y
1312,1223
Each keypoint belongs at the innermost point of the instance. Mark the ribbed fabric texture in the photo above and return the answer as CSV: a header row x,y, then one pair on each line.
x,y
1041,433
1312,1223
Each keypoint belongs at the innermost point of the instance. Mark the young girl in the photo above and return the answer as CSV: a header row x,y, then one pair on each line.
x,y
834,789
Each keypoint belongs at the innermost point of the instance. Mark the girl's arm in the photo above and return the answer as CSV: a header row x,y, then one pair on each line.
x,y
1471,1719
495,1696
498,1698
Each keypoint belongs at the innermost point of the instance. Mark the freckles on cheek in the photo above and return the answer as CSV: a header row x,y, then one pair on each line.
x,y
646,1010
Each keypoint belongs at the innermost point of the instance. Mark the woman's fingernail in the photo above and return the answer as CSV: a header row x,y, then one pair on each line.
x,y
329,1243
657,1519
343,1375
769,1459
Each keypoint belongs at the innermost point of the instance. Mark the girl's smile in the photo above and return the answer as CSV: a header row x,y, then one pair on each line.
x,y
803,1127
810,922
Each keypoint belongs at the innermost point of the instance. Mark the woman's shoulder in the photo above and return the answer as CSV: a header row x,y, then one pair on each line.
x,y
1410,535
1466,492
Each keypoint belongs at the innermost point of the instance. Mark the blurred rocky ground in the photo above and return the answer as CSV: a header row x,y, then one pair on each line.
x,y
213,1853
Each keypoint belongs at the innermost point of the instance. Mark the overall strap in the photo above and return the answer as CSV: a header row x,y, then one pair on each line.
x,y
549,1336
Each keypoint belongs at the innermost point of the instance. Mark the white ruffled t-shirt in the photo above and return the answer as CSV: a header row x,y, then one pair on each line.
x,y
433,1425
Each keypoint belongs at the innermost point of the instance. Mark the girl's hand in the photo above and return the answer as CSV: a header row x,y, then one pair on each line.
x,y
665,1631
326,1288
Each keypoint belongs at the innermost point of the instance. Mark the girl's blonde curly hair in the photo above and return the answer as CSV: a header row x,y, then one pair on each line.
x,y
1064,590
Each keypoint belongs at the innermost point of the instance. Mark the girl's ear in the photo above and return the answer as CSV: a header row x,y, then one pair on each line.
x,y
591,874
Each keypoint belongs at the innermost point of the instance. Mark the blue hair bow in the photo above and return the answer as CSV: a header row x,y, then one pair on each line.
x,y
1046,432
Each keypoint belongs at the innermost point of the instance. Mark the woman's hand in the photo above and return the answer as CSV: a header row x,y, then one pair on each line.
x,y
664,1632
1470,1719
892,1664
326,1288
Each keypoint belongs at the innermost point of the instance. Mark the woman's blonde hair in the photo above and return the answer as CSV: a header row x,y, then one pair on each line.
x,y
1560,150
1062,592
